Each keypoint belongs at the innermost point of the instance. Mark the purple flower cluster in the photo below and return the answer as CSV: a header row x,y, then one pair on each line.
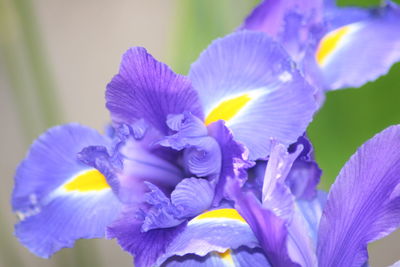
x,y
214,168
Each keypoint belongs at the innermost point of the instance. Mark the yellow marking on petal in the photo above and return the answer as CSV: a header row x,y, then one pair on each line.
x,y
329,43
91,180
227,109
221,213
226,257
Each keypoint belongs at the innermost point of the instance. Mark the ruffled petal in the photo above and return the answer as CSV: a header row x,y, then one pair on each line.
x,y
292,23
191,197
364,203
234,158
213,231
58,198
250,82
360,46
243,257
148,89
132,163
146,247
202,154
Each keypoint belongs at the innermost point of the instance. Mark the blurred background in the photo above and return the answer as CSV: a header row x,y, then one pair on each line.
x,y
56,58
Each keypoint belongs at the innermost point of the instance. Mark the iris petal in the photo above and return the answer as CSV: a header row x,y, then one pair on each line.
x,y
148,89
243,257
279,103
363,204
365,38
60,199
216,233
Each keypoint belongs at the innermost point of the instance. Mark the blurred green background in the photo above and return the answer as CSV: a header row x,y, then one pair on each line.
x,y
56,58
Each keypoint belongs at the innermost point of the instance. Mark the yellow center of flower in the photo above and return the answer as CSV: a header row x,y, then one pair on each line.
x,y
329,43
227,109
221,213
226,257
91,180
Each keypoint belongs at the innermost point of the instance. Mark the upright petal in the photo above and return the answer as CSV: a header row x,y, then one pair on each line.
x,y
364,202
249,81
305,174
269,229
360,46
148,89
58,198
277,197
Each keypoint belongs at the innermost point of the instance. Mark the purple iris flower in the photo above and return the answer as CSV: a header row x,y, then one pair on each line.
x,y
324,230
334,47
157,180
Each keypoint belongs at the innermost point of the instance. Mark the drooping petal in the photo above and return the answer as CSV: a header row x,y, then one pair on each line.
x,y
58,198
364,203
360,46
249,81
146,247
292,23
213,231
148,89
243,257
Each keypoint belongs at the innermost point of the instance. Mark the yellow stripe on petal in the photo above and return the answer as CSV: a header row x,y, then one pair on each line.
x,y
91,180
227,109
226,257
221,214
330,42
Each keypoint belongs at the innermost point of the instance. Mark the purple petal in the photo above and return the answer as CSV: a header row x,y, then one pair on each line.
x,y
277,197
363,204
311,210
162,213
192,196
150,90
243,256
202,154
213,231
364,49
146,247
305,174
234,157
139,163
58,198
269,228
291,23
250,82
